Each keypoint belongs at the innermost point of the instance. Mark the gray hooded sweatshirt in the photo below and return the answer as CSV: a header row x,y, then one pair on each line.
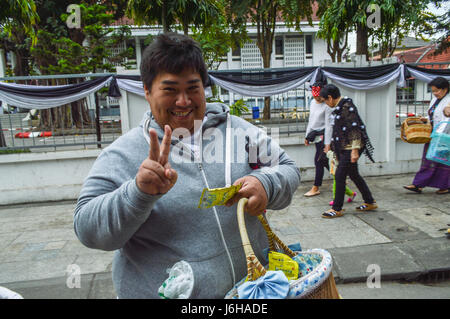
x,y
150,233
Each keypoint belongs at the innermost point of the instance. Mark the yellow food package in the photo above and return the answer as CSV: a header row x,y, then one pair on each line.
x,y
279,261
217,196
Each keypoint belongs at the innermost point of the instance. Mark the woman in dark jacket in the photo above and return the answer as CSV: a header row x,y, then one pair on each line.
x,y
349,140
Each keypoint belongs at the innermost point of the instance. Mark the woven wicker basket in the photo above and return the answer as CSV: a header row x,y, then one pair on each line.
x,y
317,284
415,131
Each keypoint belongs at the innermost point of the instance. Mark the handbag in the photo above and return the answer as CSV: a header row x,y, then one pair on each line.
x,y
439,149
312,136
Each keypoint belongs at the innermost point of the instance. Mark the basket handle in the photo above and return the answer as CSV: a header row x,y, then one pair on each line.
x,y
254,267
402,132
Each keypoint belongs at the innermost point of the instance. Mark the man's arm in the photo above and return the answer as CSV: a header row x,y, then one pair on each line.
x,y
107,216
273,184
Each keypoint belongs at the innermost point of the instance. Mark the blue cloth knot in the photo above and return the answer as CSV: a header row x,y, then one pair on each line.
x,y
273,285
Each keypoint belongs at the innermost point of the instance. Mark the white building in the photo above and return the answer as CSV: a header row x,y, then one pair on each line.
x,y
291,48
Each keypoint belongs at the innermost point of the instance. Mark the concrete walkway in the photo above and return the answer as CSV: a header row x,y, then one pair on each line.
x,y
40,255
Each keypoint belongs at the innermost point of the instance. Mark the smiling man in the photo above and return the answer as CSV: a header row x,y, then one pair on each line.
x,y
142,201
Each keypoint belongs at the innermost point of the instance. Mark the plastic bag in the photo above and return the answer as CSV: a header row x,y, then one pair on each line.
x,y
180,283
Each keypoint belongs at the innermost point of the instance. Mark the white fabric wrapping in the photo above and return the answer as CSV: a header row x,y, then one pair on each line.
x,y
40,103
264,90
424,76
367,84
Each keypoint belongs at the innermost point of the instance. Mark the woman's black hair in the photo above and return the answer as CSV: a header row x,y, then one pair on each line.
x,y
330,89
440,83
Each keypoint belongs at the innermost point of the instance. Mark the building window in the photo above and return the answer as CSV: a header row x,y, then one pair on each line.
x,y
407,94
279,46
294,51
308,46
236,54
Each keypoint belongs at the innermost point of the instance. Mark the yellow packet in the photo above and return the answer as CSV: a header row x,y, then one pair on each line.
x,y
217,196
279,261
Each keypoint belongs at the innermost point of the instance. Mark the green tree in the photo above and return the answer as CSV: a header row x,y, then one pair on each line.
x,y
169,13
19,13
334,27
17,20
397,19
64,54
216,38
264,15
440,25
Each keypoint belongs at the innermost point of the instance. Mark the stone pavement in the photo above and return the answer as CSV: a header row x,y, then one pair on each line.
x,y
404,238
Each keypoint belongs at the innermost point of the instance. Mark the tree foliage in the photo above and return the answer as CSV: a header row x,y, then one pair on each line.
x,y
397,19
175,13
88,49
264,14
334,27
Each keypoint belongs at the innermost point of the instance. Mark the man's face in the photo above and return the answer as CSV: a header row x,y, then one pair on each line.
x,y
177,99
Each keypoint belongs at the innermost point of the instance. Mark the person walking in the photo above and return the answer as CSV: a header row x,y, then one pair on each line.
x,y
433,174
349,140
318,132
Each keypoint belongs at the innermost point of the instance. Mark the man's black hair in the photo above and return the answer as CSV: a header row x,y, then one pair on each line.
x,y
330,89
172,53
440,83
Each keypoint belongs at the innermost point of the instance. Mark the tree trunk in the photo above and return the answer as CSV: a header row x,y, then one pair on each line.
x,y
164,17
21,67
266,63
362,40
97,121
266,53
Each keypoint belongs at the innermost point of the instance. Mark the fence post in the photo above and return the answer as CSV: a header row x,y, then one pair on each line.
x,y
97,121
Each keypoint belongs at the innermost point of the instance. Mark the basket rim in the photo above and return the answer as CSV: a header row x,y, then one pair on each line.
x,y
326,256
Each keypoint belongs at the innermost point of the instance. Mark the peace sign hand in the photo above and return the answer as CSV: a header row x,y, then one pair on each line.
x,y
155,175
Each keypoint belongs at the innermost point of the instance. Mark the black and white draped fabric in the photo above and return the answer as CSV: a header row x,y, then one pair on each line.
x,y
129,83
262,83
366,78
255,83
426,75
44,97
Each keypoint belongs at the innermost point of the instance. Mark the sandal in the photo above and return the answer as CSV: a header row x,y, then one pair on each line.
x,y
308,194
331,213
413,188
366,207
442,191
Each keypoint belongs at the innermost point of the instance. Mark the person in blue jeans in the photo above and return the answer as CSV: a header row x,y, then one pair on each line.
x,y
349,140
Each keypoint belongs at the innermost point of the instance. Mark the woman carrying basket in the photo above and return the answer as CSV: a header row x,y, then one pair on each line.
x,y
433,174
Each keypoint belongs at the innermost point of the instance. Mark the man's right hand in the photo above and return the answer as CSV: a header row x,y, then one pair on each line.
x,y
327,148
155,175
306,142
